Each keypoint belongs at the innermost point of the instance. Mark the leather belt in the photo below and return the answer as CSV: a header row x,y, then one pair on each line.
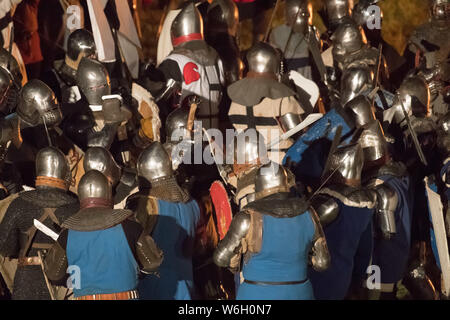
x,y
275,283
126,295
29,261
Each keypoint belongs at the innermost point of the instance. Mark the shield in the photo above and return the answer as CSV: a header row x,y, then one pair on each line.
x,y
222,207
437,218
147,108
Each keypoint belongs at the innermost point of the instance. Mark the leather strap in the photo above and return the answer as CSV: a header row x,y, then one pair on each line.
x,y
51,182
29,261
96,203
127,295
274,283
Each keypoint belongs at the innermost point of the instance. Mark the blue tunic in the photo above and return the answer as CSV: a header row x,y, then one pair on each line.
x,y
106,262
286,243
316,141
349,240
392,255
174,234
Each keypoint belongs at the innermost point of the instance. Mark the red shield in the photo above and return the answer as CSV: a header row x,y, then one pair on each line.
x,y
222,207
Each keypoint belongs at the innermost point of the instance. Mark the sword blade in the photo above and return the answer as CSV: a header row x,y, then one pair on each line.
x,y
46,230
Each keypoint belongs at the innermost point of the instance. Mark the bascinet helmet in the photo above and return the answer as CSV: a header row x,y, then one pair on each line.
x,y
38,103
337,11
100,159
271,178
360,111
52,168
297,15
93,80
187,26
176,125
361,13
8,92
223,16
154,163
263,58
347,39
81,42
346,163
9,63
94,185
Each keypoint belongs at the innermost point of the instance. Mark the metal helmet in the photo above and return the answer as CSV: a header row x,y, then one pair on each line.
x,y
414,94
100,159
223,16
346,163
38,103
263,58
289,121
9,63
337,10
347,39
94,184
354,81
297,15
176,125
373,142
361,13
360,110
249,148
8,94
52,163
187,26
93,80
154,163
444,123
440,12
81,42
271,178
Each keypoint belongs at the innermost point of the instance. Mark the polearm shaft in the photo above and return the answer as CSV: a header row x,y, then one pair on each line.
x,y
269,27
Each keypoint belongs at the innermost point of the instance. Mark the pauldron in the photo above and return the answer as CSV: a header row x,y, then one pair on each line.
x,y
350,196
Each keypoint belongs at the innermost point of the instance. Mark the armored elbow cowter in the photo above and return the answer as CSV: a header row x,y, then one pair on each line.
x,y
326,207
320,259
387,202
239,228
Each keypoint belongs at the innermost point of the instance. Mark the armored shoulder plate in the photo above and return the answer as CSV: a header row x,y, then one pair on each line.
x,y
386,205
326,208
350,196
279,207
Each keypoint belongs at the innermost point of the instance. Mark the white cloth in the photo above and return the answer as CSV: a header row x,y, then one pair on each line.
x,y
165,41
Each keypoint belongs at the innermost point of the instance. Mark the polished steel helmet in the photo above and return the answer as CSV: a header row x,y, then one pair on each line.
x,y
51,162
360,111
94,184
249,148
289,121
38,104
414,95
444,123
187,26
440,12
223,16
361,13
7,92
176,125
347,39
9,63
354,81
297,15
337,10
154,163
100,159
271,178
346,163
93,80
81,42
263,58
373,142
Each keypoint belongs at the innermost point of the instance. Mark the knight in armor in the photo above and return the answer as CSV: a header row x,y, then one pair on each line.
x,y
195,66
63,77
170,216
108,246
278,235
297,39
429,47
122,180
392,220
345,209
259,100
222,24
336,12
50,204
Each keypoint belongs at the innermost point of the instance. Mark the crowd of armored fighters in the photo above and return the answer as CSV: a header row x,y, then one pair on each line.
x,y
337,186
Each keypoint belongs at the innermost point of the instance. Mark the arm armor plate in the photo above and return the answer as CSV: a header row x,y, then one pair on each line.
x,y
239,228
148,254
326,208
320,256
387,202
